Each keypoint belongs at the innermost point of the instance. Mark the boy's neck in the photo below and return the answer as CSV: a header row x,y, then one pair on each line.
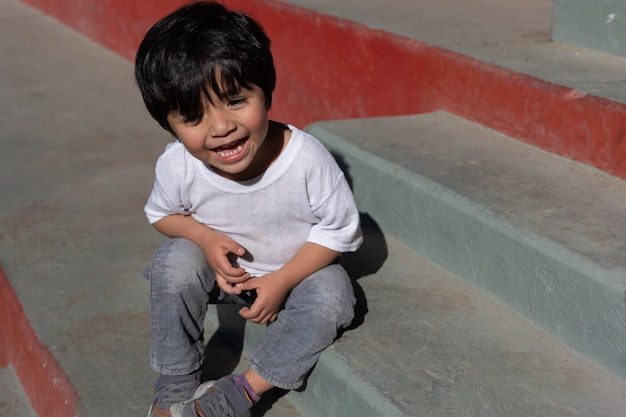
x,y
278,136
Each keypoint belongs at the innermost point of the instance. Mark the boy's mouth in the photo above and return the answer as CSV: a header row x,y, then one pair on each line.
x,y
231,150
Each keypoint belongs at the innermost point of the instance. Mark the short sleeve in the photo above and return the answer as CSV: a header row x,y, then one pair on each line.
x,y
165,198
332,203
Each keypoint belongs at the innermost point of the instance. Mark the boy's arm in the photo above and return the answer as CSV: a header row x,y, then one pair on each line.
x,y
272,289
309,259
215,245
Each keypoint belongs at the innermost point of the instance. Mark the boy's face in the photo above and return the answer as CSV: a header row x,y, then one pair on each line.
x,y
229,135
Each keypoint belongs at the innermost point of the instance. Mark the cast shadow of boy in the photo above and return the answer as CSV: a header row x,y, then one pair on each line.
x,y
225,347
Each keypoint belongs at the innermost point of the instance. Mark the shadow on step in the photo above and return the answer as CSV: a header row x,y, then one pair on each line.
x,y
368,259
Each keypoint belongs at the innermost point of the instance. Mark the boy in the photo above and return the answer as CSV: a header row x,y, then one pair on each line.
x,y
250,206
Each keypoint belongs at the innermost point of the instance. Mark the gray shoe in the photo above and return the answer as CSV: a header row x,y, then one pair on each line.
x,y
221,398
172,392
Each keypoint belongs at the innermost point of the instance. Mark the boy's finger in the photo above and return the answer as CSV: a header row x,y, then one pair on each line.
x,y
223,283
247,285
230,271
250,313
236,279
245,313
235,248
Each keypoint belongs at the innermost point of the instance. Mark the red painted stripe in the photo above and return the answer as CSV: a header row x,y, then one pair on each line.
x,y
330,68
49,390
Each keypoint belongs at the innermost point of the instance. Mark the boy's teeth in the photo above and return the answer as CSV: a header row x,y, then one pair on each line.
x,y
226,153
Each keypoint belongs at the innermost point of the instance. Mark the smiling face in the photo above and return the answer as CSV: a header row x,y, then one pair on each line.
x,y
230,134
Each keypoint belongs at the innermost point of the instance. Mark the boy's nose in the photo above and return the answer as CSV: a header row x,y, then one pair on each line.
x,y
220,124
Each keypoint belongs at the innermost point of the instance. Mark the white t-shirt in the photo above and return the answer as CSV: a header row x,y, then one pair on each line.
x,y
302,197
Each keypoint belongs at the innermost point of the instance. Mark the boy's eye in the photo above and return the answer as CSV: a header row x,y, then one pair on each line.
x,y
237,101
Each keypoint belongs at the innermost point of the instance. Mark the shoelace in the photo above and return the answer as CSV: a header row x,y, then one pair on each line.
x,y
214,404
175,393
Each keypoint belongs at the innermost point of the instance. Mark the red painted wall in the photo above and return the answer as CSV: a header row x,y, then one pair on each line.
x,y
331,69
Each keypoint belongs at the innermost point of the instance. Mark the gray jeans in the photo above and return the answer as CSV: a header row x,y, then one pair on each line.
x,y
182,285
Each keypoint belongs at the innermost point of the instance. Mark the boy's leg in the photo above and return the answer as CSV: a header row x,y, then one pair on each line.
x,y
180,283
315,310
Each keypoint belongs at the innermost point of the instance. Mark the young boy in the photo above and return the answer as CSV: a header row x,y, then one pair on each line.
x,y
250,206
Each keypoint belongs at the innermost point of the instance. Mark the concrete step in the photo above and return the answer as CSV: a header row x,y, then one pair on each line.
x,y
77,160
426,343
542,234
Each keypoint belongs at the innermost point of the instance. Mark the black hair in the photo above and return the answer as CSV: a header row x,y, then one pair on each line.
x,y
198,48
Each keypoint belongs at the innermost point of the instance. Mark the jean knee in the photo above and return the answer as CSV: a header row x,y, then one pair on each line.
x,y
180,264
331,295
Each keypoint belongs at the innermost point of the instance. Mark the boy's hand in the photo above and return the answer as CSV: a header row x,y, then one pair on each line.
x,y
217,248
272,289
271,294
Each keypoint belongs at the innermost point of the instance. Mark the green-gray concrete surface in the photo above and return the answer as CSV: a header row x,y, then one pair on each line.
x,y
13,400
597,25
